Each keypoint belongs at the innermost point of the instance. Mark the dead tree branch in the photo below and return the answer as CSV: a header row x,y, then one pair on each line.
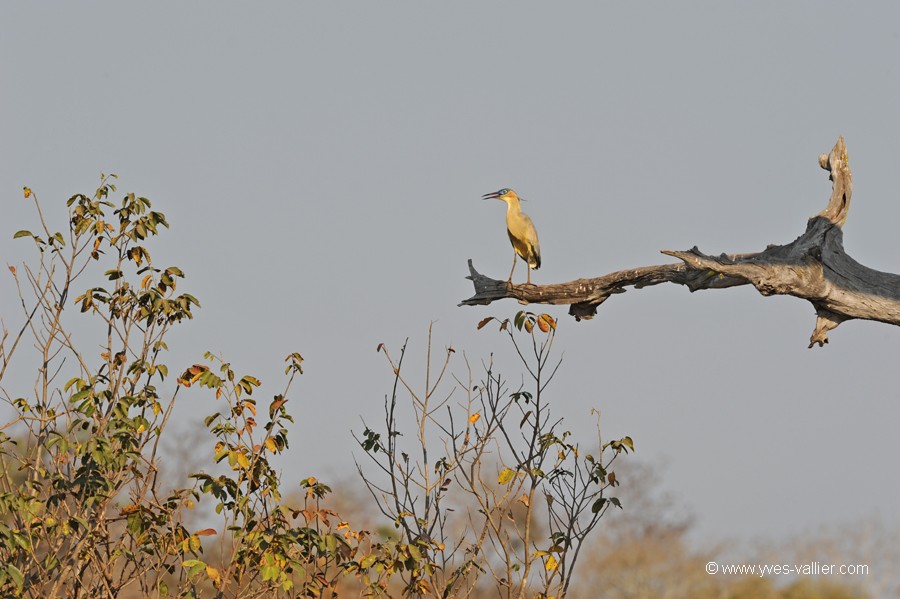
x,y
813,267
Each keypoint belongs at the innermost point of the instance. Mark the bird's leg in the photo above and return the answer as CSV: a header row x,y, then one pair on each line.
x,y
529,273
513,268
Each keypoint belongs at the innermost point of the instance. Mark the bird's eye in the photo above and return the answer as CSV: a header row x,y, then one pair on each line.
x,y
504,191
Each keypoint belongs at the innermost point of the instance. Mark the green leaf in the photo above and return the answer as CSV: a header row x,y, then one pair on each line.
x,y
191,299
81,394
16,575
598,505
415,553
194,566
270,572
23,233
519,320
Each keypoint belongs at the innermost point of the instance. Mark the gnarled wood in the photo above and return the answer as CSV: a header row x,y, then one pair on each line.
x,y
813,267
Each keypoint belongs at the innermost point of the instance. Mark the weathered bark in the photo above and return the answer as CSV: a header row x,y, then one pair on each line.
x,y
813,267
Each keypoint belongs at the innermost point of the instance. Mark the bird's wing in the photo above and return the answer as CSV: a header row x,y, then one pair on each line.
x,y
534,242
527,245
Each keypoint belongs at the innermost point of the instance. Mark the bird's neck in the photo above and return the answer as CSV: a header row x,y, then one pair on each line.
x,y
512,206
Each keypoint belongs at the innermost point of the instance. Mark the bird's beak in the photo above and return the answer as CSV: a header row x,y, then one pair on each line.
x,y
491,196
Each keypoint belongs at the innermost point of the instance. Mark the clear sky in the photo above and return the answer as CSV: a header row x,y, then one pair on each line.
x,y
322,167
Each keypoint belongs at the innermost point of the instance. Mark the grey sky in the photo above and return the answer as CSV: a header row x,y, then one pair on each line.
x,y
322,166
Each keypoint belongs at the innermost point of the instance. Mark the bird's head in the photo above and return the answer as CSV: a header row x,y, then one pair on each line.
x,y
504,194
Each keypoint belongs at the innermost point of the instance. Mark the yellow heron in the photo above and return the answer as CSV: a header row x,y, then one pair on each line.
x,y
521,231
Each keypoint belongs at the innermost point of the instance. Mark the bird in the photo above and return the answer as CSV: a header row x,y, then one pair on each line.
x,y
521,231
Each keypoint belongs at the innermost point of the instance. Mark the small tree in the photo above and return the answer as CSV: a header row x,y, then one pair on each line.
x,y
495,486
82,512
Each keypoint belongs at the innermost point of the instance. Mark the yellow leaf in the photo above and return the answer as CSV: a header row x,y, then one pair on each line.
x,y
506,475
542,325
549,320
243,460
213,574
145,284
474,417
524,500
551,563
271,445
529,326
26,191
